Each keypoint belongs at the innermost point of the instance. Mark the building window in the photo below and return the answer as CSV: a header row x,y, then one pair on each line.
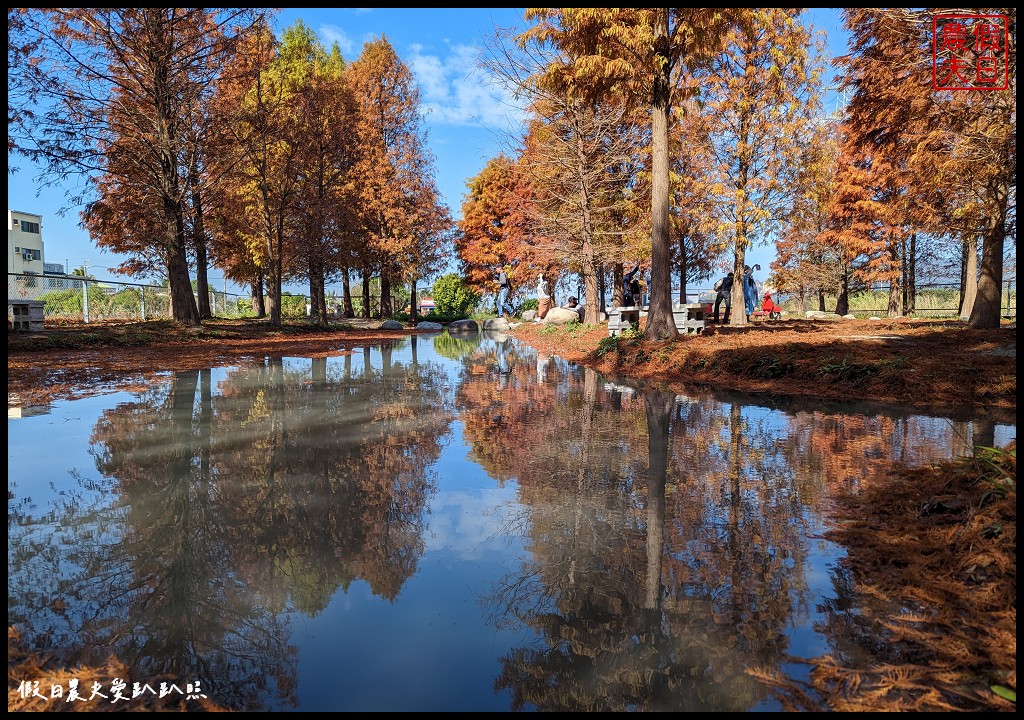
x,y
32,227
30,254
17,249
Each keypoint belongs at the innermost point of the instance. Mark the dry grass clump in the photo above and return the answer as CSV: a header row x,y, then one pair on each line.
x,y
25,668
933,560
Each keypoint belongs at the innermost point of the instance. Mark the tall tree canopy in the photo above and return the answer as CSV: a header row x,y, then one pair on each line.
x,y
759,97
635,53
959,148
404,223
117,90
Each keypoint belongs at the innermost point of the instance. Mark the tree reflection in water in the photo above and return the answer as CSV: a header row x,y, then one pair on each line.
x,y
221,513
662,547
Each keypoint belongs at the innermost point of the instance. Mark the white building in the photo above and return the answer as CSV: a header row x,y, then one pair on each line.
x,y
24,243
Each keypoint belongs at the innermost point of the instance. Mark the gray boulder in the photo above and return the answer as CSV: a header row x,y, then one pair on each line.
x,y
392,325
561,316
429,326
496,324
463,326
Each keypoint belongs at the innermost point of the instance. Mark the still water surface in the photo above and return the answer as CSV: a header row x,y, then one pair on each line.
x,y
443,524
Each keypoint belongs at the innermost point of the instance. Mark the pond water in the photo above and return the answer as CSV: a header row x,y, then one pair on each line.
x,y
442,523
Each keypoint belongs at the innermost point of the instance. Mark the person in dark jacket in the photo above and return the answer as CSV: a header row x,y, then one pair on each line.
x,y
724,288
503,288
631,288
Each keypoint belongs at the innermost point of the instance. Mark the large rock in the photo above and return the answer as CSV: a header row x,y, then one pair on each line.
x,y
529,315
561,316
392,325
463,326
496,324
429,326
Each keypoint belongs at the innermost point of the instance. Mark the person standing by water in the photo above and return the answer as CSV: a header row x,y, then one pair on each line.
x,y
724,288
503,289
631,288
749,290
544,299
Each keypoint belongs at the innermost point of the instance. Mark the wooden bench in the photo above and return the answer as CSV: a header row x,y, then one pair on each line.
x,y
623,318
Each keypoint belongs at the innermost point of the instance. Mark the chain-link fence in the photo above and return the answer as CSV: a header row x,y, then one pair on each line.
x,y
69,300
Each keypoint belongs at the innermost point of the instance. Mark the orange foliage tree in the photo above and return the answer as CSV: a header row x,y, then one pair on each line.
x,y
956,149
634,54
759,97
326,200
265,160
119,89
489,238
404,224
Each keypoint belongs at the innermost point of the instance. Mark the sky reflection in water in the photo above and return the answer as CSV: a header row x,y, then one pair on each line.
x,y
446,523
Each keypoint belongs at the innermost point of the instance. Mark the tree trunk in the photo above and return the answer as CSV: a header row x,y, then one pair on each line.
x,y
843,301
739,317
988,306
591,313
413,300
386,310
179,284
660,321
895,295
617,295
317,294
682,269
365,314
346,293
909,278
968,277
275,250
202,281
259,304
199,238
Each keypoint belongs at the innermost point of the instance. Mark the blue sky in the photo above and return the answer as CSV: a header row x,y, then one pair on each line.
x,y
468,119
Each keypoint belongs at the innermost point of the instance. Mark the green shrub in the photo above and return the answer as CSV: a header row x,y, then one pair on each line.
x,y
452,297
606,345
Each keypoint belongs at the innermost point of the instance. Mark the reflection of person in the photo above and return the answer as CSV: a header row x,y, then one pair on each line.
x,y
543,297
503,289
542,367
503,368
724,288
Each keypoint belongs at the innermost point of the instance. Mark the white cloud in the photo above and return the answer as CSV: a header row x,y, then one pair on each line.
x,y
455,91
330,34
